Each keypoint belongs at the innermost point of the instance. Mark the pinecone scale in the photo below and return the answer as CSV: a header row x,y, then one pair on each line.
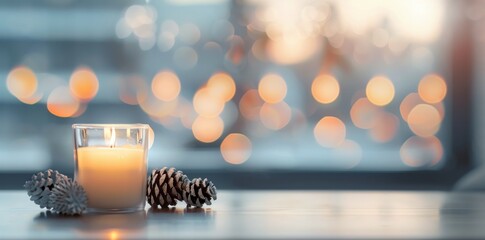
x,y
68,197
199,192
165,187
40,187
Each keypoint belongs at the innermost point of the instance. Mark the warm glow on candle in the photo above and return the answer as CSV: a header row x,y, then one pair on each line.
x,y
112,176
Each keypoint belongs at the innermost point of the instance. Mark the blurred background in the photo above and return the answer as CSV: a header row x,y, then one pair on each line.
x,y
253,94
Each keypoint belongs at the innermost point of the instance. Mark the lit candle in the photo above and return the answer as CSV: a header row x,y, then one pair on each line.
x,y
114,177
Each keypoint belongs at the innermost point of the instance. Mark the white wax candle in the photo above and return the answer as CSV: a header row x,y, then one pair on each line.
x,y
114,178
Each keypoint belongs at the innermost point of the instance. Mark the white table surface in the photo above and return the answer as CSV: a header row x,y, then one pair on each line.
x,y
265,214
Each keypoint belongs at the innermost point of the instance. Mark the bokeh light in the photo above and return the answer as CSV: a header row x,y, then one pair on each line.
x,y
207,129
84,84
325,89
292,49
418,151
272,88
221,84
250,104
380,90
419,21
385,127
413,99
330,132
275,116
363,113
22,82
432,88
424,120
166,86
32,99
132,89
61,103
158,109
236,148
207,104
349,153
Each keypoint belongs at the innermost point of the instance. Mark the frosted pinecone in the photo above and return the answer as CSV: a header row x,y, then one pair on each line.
x,y
68,197
40,186
199,192
165,187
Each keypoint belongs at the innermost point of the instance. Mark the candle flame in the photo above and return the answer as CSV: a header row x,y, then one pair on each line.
x,y
110,136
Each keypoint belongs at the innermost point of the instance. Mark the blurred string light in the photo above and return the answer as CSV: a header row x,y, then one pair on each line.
x,y
207,129
275,116
84,84
432,88
380,90
272,88
412,100
62,103
415,20
222,86
419,152
131,89
138,20
325,89
250,104
158,110
169,30
236,148
363,113
424,120
187,115
22,83
166,86
330,132
349,153
291,28
385,127
207,104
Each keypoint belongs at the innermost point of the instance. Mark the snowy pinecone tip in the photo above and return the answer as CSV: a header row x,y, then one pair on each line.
x,y
68,198
199,192
40,186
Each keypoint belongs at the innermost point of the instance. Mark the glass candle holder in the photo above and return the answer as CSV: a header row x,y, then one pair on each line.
x,y
111,165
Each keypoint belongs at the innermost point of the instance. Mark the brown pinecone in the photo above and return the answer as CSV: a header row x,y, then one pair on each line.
x,y
165,186
199,192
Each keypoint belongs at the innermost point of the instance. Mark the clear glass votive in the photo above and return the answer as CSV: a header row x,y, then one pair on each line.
x,y
111,165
